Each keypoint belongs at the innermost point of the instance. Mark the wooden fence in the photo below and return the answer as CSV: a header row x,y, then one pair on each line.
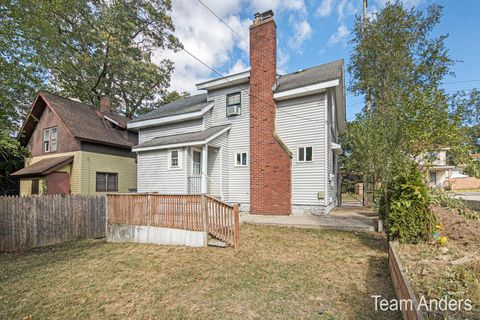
x,y
29,222
188,212
401,284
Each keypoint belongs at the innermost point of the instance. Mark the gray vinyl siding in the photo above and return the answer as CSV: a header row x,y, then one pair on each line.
x,y
207,119
169,129
301,123
237,187
154,176
221,142
213,171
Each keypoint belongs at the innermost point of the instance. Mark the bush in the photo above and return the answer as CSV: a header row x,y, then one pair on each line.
x,y
409,218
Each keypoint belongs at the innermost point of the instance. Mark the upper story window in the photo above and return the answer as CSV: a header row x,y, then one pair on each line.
x,y
234,107
50,139
305,154
241,159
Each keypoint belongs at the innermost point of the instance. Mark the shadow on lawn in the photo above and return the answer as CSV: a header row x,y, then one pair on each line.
x,y
28,260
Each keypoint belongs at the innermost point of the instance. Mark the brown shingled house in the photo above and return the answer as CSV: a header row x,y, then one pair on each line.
x,y
76,148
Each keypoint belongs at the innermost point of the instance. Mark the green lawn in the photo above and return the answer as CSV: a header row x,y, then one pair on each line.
x,y
281,273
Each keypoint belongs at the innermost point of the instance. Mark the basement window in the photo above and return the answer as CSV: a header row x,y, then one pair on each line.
x,y
234,107
241,159
305,154
106,182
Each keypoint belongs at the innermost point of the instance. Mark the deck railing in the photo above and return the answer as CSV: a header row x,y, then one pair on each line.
x,y
222,220
188,212
169,211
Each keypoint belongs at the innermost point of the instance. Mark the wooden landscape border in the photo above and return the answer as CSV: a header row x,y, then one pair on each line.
x,y
403,289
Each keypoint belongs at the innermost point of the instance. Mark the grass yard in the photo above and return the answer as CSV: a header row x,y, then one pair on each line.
x,y
278,273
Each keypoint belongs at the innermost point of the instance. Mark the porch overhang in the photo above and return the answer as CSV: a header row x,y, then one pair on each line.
x,y
182,140
336,148
43,167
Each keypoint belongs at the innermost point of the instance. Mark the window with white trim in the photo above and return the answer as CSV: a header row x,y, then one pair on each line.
x,y
305,154
241,159
174,159
50,139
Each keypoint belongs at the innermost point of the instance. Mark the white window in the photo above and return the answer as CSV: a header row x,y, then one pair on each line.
x,y
305,154
241,159
174,160
54,139
46,140
50,140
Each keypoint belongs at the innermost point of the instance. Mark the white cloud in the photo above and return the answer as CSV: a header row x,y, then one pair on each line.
x,y
345,8
282,60
239,66
339,35
302,31
205,37
325,8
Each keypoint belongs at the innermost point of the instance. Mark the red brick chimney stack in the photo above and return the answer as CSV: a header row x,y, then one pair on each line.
x,y
105,104
270,173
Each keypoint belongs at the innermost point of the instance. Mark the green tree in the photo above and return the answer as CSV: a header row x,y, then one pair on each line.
x,y
398,65
99,47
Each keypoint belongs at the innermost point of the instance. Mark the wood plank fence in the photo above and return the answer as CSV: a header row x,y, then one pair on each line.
x,y
187,212
29,222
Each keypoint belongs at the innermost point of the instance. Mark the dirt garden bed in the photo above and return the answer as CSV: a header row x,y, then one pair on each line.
x,y
452,270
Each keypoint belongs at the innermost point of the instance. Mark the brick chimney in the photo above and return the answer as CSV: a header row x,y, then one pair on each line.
x,y
270,173
105,104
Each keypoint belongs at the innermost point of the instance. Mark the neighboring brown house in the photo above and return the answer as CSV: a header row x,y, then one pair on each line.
x,y
76,148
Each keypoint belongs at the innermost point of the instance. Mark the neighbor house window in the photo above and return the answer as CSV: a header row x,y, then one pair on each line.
x,y
305,154
35,186
433,178
50,140
174,159
234,104
107,181
241,159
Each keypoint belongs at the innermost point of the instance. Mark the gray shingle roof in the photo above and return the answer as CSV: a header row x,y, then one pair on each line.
x,y
182,138
180,106
321,73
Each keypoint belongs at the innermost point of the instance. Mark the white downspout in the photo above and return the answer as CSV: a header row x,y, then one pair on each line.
x,y
326,151
204,168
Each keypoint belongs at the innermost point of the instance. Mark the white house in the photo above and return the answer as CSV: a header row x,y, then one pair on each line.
x,y
268,142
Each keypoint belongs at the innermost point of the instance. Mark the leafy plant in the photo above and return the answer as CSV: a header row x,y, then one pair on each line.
x,y
409,218
447,199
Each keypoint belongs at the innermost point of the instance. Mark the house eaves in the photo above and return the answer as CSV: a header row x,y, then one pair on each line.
x,y
227,81
182,140
306,90
170,119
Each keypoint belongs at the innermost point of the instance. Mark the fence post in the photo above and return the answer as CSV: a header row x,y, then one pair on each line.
x,y
236,222
204,217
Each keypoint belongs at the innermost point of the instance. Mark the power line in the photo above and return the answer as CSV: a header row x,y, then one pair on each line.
x,y
245,91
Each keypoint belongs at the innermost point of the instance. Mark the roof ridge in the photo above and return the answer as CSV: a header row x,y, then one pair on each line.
x,y
312,67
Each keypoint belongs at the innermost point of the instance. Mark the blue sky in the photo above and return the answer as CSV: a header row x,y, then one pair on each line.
x,y
309,33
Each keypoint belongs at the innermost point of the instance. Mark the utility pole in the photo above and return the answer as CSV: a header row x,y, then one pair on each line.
x,y
365,4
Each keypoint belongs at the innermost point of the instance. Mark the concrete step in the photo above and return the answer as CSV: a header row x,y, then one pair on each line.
x,y
216,243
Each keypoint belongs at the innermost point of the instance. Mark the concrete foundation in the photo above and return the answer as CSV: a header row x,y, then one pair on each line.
x,y
155,235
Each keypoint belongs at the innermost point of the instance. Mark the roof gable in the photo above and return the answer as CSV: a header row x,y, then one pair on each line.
x,y
83,121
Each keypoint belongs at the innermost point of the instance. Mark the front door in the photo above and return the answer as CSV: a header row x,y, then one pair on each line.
x,y
195,179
